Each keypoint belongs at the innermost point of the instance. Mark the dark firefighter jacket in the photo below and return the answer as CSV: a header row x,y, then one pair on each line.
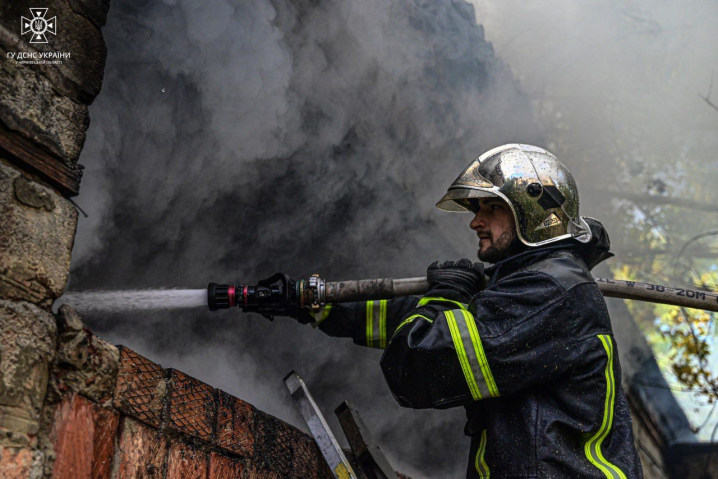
x,y
532,359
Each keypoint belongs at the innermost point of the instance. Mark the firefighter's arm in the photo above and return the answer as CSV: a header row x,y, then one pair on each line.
x,y
368,323
446,355
371,323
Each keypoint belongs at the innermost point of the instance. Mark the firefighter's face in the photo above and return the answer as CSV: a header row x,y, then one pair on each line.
x,y
495,226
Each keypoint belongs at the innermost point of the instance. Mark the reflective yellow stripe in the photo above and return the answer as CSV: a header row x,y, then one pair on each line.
x,y
480,355
369,322
382,324
592,448
409,320
376,324
429,299
461,353
323,313
481,467
470,351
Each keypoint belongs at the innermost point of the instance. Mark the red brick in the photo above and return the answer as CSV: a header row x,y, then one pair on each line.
x,y
141,387
83,436
235,425
186,462
255,472
273,443
224,467
191,408
141,451
16,462
306,458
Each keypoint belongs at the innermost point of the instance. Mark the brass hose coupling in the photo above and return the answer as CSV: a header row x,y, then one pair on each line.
x,y
312,293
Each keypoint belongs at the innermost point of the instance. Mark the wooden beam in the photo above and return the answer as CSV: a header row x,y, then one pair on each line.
x,y
22,151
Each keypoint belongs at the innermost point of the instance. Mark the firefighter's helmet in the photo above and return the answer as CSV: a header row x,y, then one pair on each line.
x,y
539,189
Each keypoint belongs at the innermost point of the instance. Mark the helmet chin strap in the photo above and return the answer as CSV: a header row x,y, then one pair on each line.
x,y
515,247
577,230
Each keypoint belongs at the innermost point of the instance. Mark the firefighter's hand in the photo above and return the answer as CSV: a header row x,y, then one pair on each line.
x,y
462,277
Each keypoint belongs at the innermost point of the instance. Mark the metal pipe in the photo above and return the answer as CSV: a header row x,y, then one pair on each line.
x,y
384,288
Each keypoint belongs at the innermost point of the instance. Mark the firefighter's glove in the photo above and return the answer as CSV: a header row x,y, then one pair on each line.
x,y
461,278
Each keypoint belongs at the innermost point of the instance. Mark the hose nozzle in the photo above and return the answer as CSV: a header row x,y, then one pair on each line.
x,y
268,294
221,296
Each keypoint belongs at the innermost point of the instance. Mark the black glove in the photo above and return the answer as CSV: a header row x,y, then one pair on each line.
x,y
277,296
462,278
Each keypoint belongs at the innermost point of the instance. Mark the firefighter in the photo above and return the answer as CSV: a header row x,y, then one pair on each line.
x,y
530,354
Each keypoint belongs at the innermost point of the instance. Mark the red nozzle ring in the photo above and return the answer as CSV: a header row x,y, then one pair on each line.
x,y
245,295
231,294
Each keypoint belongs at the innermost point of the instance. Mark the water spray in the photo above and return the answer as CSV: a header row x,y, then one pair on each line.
x,y
135,300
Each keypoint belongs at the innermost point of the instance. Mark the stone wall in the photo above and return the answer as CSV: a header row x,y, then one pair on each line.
x,y
43,118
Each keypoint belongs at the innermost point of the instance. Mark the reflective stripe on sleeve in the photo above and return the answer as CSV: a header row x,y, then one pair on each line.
x,y
376,324
470,351
592,448
322,314
481,467
409,320
430,299
382,324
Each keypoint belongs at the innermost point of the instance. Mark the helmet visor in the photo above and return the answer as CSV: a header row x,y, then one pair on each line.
x,y
462,200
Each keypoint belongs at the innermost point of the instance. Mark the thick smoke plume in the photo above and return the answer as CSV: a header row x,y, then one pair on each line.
x,y
234,139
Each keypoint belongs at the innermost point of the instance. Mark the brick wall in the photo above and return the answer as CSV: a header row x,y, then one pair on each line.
x,y
112,413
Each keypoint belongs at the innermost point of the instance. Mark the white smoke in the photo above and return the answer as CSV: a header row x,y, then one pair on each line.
x,y
262,136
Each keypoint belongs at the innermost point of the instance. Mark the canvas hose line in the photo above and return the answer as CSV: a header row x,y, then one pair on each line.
x,y
374,289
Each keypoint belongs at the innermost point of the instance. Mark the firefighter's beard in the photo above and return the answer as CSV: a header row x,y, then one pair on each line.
x,y
501,248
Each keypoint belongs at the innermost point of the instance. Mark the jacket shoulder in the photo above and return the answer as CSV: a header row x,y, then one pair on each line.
x,y
566,268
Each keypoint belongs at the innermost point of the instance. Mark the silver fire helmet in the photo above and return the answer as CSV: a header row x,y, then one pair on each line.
x,y
539,189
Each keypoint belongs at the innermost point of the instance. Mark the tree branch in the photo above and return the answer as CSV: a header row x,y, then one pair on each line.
x,y
662,200
707,98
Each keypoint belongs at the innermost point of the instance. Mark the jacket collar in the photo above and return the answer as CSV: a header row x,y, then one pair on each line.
x,y
514,263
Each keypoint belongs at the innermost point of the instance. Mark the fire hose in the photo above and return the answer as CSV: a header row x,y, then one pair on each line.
x,y
315,292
